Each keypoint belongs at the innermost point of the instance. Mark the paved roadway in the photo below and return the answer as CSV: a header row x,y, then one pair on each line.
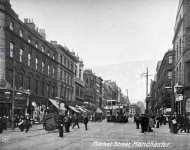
x,y
101,135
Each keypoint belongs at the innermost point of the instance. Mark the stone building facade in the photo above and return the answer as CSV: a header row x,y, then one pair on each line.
x,y
181,46
161,94
93,88
27,60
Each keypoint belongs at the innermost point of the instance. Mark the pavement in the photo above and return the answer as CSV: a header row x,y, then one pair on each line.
x,y
99,136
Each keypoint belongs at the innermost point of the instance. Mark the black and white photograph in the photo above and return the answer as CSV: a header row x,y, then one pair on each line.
x,y
94,74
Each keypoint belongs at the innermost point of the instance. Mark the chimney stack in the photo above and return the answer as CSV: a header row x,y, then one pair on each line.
x,y
29,22
42,33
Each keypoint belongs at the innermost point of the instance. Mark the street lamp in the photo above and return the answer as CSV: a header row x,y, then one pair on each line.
x,y
28,100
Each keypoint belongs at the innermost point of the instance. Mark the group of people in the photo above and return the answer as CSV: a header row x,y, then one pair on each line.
x,y
23,122
176,122
146,122
68,121
179,123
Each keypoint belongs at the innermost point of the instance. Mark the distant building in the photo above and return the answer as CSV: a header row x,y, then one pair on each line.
x,y
93,88
66,73
79,81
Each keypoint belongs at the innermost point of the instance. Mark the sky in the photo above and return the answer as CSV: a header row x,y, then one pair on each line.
x,y
105,32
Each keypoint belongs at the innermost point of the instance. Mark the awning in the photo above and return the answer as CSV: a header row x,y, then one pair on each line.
x,y
98,110
81,109
60,106
74,109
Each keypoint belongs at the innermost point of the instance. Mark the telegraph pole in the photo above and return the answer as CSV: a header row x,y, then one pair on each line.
x,y
147,78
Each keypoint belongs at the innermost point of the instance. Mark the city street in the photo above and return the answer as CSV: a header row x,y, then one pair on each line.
x,y
101,135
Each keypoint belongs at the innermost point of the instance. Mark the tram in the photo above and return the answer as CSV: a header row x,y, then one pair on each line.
x,y
116,112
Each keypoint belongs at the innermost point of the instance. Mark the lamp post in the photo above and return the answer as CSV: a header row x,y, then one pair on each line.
x,y
13,96
27,100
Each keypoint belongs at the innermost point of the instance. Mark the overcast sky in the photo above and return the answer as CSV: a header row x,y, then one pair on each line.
x,y
105,32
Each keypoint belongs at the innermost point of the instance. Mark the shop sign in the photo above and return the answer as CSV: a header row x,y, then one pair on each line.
x,y
179,97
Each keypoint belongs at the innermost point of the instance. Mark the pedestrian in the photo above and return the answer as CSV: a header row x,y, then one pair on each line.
x,y
27,123
151,124
1,125
144,123
4,122
21,123
75,120
157,122
174,125
60,125
85,121
67,123
137,120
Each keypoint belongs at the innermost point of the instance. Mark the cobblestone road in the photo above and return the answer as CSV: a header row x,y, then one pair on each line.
x,y
101,135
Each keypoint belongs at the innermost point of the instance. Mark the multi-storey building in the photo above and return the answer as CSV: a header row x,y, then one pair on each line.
x,y
181,46
79,82
93,88
27,62
161,96
66,73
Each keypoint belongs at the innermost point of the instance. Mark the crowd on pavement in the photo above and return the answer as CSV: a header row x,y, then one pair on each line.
x,y
176,123
51,121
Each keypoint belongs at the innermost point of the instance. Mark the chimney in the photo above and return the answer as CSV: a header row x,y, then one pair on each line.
x,y
42,33
53,42
29,22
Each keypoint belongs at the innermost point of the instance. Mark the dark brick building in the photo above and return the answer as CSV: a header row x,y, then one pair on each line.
x,y
93,88
161,95
27,57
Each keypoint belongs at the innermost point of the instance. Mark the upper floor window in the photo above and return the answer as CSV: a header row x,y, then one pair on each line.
x,y
53,71
53,57
48,70
29,59
36,45
169,74
170,61
11,26
43,66
20,33
21,55
36,63
43,49
11,51
61,59
29,40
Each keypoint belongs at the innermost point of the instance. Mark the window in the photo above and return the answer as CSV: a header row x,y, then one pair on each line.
x,y
29,59
11,26
48,70
36,63
43,87
20,33
169,74
170,61
36,45
43,66
61,59
11,52
53,72
29,40
43,49
36,88
61,73
21,55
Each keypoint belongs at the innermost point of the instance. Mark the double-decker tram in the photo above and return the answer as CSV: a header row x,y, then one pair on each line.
x,y
116,112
